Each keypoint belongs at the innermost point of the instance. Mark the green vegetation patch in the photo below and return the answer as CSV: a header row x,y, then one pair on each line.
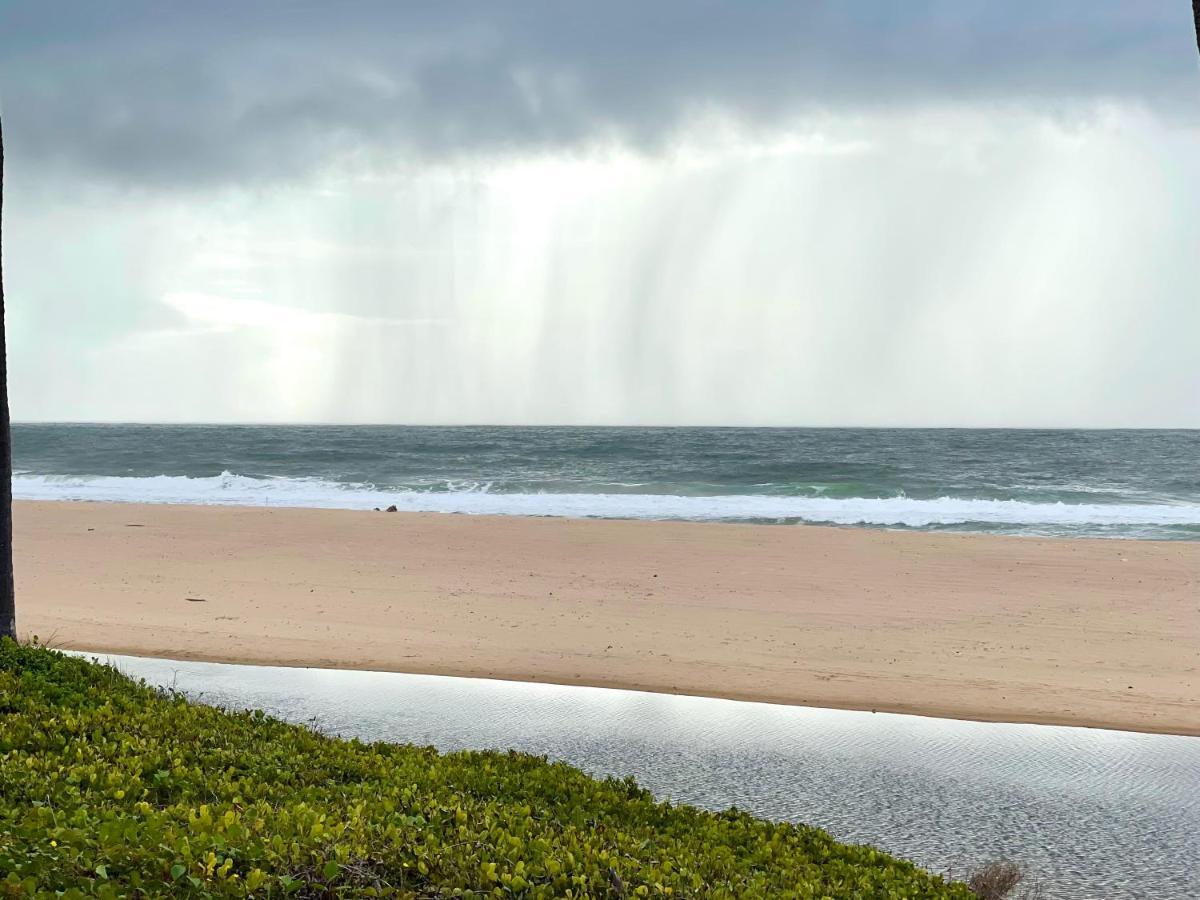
x,y
113,788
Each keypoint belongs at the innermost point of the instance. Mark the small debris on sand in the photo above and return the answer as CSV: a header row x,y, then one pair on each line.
x,y
196,599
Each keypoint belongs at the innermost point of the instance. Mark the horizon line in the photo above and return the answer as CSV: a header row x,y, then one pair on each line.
x,y
630,425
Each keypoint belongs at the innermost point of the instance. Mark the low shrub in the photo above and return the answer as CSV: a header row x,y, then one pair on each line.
x,y
111,788
996,880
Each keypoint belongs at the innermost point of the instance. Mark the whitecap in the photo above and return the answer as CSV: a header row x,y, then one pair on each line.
x,y
481,499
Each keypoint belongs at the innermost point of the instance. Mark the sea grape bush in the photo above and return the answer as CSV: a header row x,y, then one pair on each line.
x,y
111,788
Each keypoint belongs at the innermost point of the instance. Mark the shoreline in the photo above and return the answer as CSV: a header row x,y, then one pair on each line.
x,y
772,523
917,713
964,626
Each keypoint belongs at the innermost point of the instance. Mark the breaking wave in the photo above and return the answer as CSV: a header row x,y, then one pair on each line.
x,y
240,490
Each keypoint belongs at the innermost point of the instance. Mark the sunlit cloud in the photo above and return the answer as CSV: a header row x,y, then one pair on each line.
x,y
484,227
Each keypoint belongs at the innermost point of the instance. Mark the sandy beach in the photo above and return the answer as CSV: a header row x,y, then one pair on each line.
x,y
1081,632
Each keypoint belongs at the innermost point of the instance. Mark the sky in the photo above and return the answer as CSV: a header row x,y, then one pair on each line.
x,y
955,213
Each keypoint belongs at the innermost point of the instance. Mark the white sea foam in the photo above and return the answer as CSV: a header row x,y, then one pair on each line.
x,y
230,489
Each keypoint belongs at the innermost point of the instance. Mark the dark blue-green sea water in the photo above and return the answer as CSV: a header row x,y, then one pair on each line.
x,y
1140,484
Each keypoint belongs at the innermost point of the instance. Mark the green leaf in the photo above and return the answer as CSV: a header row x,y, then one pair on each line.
x,y
289,800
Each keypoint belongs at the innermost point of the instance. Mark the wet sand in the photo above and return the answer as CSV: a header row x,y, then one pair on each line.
x,y
1078,632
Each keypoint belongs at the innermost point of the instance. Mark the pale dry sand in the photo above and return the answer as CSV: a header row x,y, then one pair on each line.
x,y
1099,633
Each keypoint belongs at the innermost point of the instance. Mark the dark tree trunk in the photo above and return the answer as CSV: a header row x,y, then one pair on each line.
x,y
1196,16
8,607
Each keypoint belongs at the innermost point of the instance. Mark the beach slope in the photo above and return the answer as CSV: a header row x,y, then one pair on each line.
x,y
1081,632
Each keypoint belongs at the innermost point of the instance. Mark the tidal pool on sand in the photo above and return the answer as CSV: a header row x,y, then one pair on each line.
x,y
1089,813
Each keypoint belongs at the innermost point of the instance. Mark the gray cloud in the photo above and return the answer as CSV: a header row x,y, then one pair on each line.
x,y
153,94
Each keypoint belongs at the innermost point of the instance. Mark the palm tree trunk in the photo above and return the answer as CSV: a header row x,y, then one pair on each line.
x,y
1196,16
8,608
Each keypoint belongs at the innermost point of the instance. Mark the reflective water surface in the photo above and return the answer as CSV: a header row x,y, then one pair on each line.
x,y
1093,814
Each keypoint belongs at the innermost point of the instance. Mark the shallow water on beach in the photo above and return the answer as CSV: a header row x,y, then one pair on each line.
x,y
1090,813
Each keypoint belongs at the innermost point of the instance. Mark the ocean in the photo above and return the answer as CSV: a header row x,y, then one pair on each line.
x,y
1062,483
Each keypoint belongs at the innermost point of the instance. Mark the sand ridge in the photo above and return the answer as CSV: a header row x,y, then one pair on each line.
x,y
1103,633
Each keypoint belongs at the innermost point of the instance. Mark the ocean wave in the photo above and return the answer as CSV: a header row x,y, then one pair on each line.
x,y
240,490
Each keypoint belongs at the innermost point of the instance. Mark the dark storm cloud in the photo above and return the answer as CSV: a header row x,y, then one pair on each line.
x,y
190,93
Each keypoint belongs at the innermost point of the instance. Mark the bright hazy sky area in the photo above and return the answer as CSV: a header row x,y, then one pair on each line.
x,y
769,213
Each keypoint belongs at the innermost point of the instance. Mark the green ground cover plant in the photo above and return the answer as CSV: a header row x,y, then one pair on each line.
x,y
112,788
